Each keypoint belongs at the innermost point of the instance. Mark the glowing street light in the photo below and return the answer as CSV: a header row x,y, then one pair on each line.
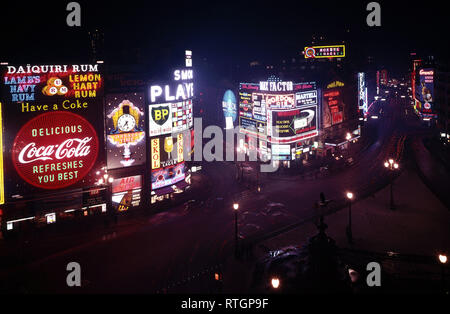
x,y
236,207
391,165
349,227
348,136
442,258
275,282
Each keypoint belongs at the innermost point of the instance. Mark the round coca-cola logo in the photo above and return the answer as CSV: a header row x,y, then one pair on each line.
x,y
55,150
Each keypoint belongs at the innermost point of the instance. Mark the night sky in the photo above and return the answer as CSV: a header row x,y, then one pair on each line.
x,y
238,30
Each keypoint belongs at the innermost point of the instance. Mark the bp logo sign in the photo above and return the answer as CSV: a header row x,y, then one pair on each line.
x,y
161,121
160,114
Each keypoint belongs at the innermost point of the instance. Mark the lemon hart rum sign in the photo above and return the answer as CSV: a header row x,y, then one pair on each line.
x,y
53,122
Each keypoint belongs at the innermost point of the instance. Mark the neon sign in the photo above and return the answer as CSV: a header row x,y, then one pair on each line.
x,y
336,51
55,150
280,101
276,86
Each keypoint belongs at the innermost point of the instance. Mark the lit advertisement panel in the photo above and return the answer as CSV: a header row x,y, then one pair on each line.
x,y
126,184
332,107
167,150
335,51
304,86
280,101
125,130
259,107
362,92
292,125
229,105
55,136
426,90
168,176
170,117
306,98
126,192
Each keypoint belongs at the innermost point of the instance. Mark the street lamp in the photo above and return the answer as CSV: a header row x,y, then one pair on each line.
x,y
349,227
391,165
348,136
236,207
443,260
275,282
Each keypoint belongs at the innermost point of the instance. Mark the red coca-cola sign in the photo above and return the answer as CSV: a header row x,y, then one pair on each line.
x,y
55,150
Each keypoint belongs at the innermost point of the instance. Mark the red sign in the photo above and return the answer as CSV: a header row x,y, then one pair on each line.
x,y
55,150
126,184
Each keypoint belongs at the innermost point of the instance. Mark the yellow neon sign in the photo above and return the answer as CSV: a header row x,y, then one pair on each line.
x,y
335,51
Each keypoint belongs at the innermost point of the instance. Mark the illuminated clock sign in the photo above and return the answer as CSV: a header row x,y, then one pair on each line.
x,y
55,150
336,51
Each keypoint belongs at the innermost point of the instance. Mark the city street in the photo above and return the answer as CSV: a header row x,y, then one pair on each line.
x,y
148,254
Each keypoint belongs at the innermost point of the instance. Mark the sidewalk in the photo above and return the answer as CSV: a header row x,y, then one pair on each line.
x,y
431,171
419,226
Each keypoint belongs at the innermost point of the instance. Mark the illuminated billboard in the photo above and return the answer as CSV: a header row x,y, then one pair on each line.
x,y
362,92
167,150
168,176
289,115
426,90
332,107
229,108
126,192
170,117
288,126
335,51
125,130
54,133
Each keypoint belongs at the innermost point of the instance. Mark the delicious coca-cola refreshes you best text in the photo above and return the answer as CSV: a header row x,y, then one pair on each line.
x,y
55,150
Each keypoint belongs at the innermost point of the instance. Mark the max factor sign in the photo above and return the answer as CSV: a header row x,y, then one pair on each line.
x,y
276,86
183,90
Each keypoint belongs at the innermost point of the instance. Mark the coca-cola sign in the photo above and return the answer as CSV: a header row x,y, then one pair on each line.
x,y
55,150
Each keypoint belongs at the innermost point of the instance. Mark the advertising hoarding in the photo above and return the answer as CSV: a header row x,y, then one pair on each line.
x,y
167,150
426,90
291,123
334,51
126,192
306,98
362,92
229,106
170,117
125,130
332,107
168,176
54,132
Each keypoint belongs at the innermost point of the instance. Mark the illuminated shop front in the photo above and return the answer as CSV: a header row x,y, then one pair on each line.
x,y
280,119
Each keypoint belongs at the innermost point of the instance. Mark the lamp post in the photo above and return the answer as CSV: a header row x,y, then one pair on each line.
x,y
443,260
236,207
391,165
349,227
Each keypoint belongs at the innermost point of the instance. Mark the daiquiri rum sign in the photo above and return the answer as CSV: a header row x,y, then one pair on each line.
x,y
53,117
